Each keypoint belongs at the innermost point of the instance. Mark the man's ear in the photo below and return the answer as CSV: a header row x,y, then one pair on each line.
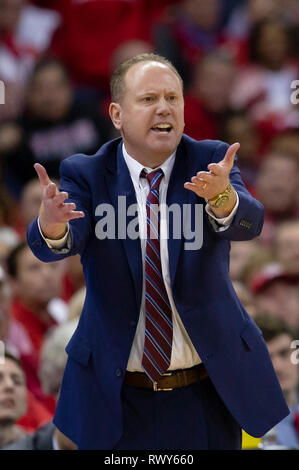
x,y
115,115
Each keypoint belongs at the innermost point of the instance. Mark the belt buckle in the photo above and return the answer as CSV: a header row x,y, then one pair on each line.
x,y
157,389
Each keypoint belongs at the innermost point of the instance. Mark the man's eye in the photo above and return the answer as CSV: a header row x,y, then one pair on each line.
x,y
148,99
172,98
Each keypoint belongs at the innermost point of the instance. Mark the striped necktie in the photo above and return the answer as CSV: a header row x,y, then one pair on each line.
x,y
158,315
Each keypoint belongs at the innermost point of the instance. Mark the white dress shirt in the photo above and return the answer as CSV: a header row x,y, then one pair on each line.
x,y
183,354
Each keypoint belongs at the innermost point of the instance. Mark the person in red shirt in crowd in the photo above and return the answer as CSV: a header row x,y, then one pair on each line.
x,y
90,31
35,309
208,99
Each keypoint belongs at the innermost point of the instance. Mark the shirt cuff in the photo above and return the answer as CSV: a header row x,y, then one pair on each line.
x,y
57,244
225,221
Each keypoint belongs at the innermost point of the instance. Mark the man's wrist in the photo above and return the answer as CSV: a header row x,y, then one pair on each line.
x,y
226,207
55,232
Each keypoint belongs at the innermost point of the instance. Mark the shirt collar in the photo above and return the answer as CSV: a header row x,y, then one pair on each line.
x,y
135,167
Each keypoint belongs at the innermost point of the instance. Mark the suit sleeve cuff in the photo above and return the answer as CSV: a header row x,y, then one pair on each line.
x,y
224,223
56,244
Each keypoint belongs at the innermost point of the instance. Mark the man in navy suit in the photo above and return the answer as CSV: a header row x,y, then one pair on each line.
x,y
123,387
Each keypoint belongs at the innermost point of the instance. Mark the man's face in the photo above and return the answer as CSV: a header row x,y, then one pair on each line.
x,y
287,246
277,183
13,398
280,351
31,201
153,98
37,282
213,85
50,94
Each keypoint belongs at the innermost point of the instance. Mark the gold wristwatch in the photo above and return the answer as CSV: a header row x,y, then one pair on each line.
x,y
221,198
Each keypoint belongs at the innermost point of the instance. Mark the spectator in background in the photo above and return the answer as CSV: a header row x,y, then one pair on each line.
x,y
76,304
277,189
264,85
13,399
52,364
276,292
12,333
9,238
129,49
53,126
286,143
245,297
240,254
279,337
9,136
31,197
30,200
91,31
189,32
25,33
238,127
250,12
208,99
5,297
53,356
35,308
286,245
73,279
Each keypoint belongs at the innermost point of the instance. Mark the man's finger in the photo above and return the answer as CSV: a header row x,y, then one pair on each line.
x,y
229,157
60,197
215,169
42,174
50,191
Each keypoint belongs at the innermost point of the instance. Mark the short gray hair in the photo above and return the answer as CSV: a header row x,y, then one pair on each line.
x,y
117,82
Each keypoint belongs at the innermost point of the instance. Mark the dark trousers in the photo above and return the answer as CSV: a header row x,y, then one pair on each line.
x,y
188,418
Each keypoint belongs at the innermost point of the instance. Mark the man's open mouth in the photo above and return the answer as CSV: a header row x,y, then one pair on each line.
x,y
162,128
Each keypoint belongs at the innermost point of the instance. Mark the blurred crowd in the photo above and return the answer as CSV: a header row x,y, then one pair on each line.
x,y
240,66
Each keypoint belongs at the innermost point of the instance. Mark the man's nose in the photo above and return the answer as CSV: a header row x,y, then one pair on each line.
x,y
163,107
7,382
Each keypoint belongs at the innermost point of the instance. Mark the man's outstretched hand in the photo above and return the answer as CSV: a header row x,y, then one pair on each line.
x,y
208,184
54,213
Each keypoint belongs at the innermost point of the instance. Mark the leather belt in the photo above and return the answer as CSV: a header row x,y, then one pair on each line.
x,y
169,380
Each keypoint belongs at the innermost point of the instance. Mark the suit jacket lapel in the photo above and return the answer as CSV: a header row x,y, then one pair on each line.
x,y
119,183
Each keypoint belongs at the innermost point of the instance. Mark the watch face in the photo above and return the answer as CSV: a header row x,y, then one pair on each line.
x,y
222,200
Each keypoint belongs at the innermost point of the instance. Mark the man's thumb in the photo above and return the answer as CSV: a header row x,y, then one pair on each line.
x,y
230,154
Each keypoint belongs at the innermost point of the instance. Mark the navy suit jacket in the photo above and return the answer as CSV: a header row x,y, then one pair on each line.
x,y
227,340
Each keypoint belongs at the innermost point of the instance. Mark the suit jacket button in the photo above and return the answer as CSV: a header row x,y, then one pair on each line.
x,y
119,372
133,323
